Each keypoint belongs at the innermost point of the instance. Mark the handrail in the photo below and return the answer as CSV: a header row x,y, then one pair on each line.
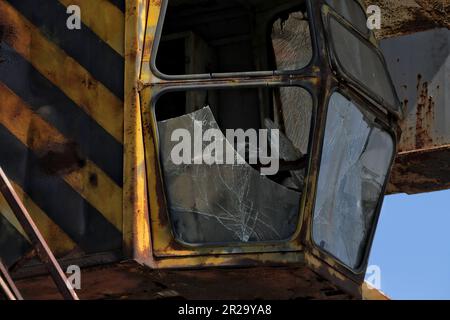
x,y
7,284
36,238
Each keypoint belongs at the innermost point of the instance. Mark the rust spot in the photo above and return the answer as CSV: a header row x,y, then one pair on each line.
x,y
424,115
424,171
93,179
60,158
88,83
405,104
419,80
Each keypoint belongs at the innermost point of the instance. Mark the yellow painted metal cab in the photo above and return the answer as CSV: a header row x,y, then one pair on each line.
x,y
88,120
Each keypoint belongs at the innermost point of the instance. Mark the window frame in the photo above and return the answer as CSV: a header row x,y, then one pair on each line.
x,y
353,273
320,78
369,33
327,15
182,249
236,74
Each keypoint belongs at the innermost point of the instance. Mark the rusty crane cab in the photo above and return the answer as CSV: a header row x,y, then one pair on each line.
x,y
310,69
313,70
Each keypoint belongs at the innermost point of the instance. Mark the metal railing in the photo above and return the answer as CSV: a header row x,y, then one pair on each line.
x,y
37,241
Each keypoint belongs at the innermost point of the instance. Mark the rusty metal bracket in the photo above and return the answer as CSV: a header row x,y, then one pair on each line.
x,y
38,242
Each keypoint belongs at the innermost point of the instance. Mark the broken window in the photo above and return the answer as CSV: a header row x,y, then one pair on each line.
x,y
356,157
361,62
352,11
291,41
213,201
208,37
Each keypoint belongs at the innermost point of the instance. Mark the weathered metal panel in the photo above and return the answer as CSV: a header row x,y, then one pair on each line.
x,y
137,282
61,122
420,68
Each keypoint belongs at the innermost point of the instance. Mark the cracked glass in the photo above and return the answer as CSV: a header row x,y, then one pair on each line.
x,y
356,157
213,202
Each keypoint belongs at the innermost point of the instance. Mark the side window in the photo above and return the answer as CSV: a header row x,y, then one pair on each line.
x,y
362,63
355,160
353,12
220,186
204,37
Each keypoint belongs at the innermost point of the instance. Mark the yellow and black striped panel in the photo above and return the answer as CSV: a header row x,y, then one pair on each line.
x,y
61,123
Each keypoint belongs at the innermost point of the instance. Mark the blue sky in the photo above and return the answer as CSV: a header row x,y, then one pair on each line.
x,y
412,246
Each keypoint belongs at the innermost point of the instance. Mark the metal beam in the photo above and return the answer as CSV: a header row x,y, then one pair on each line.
x,y
419,64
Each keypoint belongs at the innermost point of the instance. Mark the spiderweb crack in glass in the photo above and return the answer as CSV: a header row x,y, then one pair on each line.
x,y
220,203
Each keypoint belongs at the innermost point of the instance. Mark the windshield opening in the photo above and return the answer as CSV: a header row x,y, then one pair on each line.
x,y
234,162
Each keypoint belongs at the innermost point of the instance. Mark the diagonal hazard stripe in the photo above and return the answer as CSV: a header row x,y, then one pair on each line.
x,y
64,72
62,113
55,150
48,229
12,244
105,19
83,45
73,214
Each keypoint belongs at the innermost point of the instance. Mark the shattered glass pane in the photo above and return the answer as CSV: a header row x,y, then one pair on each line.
x,y
291,41
362,63
220,203
351,11
355,160
295,106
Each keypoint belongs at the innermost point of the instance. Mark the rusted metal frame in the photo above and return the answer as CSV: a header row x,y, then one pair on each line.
x,y
6,279
43,251
217,76
315,259
167,87
166,84
207,249
134,198
382,120
158,84
323,262
206,76
307,79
